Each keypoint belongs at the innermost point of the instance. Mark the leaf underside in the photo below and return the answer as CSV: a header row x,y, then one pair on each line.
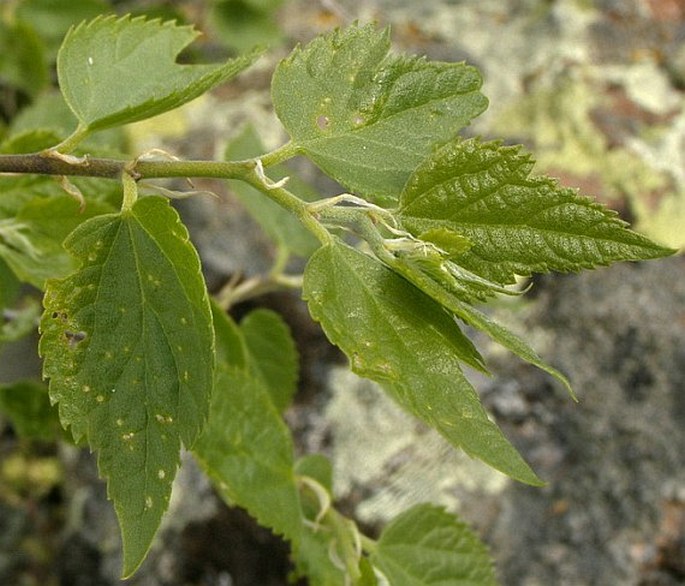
x,y
394,334
127,342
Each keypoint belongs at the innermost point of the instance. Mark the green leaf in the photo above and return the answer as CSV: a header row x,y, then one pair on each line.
x,y
29,141
368,575
17,191
272,355
281,226
22,58
113,71
419,256
246,447
432,281
242,24
318,467
128,346
48,121
31,243
230,344
506,338
9,285
312,559
396,335
27,404
368,118
517,224
427,546
52,18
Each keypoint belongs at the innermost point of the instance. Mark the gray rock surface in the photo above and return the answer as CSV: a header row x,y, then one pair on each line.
x,y
613,511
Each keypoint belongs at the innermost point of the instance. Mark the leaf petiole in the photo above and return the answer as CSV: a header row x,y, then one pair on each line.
x,y
130,191
286,199
73,140
281,154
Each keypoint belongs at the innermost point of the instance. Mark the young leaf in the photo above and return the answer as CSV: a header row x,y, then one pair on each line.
x,y
246,447
113,71
272,355
396,335
517,224
128,346
367,118
427,546
453,302
312,559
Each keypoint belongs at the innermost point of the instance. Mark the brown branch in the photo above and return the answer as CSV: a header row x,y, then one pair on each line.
x,y
46,163
43,164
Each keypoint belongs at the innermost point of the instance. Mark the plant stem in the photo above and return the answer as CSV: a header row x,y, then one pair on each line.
x,y
282,153
213,169
43,164
289,201
250,171
46,164
254,287
72,141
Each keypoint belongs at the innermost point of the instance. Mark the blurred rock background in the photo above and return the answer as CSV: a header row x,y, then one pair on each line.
x,y
594,89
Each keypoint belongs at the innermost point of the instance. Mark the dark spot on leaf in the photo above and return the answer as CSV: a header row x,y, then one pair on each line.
x,y
323,122
74,338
